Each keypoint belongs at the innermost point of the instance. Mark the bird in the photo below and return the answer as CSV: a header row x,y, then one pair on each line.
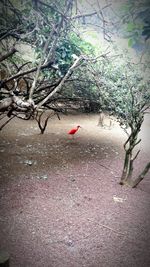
x,y
74,130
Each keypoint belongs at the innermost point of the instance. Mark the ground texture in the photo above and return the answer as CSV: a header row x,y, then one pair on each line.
x,y
61,204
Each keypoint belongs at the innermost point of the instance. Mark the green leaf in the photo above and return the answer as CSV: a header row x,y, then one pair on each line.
x,y
131,26
131,42
125,7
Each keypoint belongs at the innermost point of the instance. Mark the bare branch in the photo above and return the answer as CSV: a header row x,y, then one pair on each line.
x,y
10,53
44,66
136,155
39,120
126,142
137,142
69,72
56,29
39,68
84,15
141,176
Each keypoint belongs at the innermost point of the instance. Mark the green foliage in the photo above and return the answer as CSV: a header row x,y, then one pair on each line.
x,y
135,33
126,7
115,91
135,17
64,53
83,46
131,42
34,28
131,26
124,92
68,46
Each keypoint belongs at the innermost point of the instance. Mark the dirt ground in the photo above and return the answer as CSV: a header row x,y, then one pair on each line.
x,y
61,204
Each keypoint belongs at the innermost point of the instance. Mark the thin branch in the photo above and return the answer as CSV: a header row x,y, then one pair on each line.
x,y
69,72
5,34
53,8
136,155
10,53
52,49
124,129
84,15
39,120
141,176
47,65
53,46
22,66
39,68
127,142
137,142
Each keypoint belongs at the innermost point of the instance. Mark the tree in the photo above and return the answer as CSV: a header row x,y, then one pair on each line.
x,y
125,94
45,29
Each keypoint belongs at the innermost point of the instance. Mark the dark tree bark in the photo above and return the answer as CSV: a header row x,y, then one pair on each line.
x,y
129,146
43,125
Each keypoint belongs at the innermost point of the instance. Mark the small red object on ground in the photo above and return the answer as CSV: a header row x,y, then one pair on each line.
x,y
74,130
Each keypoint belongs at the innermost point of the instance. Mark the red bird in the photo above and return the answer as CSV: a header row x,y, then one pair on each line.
x,y
74,130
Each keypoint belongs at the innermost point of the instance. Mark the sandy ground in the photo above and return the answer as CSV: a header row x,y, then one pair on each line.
x,y
61,204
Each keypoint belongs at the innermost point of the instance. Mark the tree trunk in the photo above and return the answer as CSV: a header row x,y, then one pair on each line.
x,y
129,159
128,167
39,121
101,120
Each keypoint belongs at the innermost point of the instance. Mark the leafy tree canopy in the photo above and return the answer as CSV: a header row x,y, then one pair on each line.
x,y
135,17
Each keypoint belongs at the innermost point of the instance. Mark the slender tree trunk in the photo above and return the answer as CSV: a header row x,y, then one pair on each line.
x,y
101,120
129,146
127,168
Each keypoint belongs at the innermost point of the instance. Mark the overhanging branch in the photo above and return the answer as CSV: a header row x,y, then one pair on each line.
x,y
19,74
10,53
75,64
